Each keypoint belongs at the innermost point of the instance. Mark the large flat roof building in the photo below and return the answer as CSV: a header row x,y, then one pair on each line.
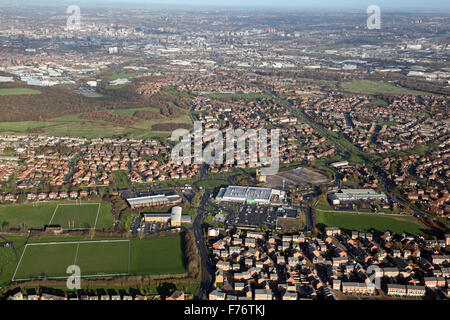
x,y
153,201
175,217
356,194
248,194
339,164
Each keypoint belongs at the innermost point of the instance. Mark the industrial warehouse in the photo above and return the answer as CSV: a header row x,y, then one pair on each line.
x,y
176,217
154,201
356,194
250,195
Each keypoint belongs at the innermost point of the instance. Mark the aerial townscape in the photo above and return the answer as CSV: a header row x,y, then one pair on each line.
x,y
191,152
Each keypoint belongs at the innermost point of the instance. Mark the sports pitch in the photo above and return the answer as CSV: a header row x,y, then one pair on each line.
x,y
365,222
74,217
68,214
95,258
99,258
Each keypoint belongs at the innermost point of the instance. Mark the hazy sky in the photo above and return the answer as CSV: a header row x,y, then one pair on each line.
x,y
309,3
404,5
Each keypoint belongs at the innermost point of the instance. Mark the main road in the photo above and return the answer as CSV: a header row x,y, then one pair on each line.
x,y
197,229
375,170
207,268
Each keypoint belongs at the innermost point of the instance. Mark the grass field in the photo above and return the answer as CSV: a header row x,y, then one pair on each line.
x,y
382,103
121,179
9,260
45,260
72,125
97,258
76,216
212,184
376,87
17,91
292,224
116,75
93,258
366,222
157,256
14,216
132,111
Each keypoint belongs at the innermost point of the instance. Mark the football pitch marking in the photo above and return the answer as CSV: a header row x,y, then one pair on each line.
x,y
96,217
18,264
76,257
53,215
75,242
76,254
77,204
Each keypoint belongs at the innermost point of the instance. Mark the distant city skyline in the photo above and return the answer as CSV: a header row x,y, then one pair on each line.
x,y
403,5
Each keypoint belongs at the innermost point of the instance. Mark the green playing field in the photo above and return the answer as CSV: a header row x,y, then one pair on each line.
x,y
76,216
162,255
38,215
93,257
365,222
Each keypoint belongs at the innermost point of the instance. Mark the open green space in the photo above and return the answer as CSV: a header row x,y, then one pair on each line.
x,y
220,175
292,224
178,94
158,255
51,256
118,86
132,111
16,215
76,216
121,179
21,125
123,75
29,216
93,257
103,258
378,102
420,149
74,126
212,184
17,91
377,87
9,259
322,204
69,125
364,222
49,260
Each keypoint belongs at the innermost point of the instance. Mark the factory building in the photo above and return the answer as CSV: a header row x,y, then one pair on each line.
x,y
355,195
250,195
340,164
175,217
154,201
